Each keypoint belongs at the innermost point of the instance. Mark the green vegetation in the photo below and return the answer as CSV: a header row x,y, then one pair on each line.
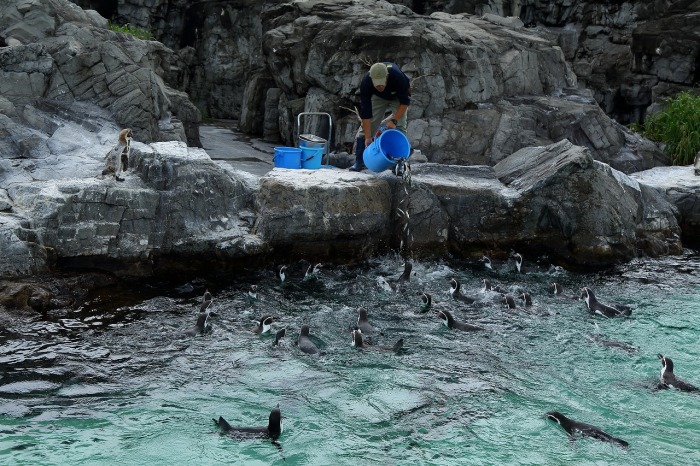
x,y
677,126
133,30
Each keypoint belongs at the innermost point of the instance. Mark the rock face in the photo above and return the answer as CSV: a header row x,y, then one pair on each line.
x,y
680,186
480,78
178,208
68,54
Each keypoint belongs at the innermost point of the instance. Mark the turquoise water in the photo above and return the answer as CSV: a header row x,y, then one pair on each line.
x,y
122,386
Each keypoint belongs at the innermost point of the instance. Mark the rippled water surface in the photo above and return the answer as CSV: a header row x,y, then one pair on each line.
x,y
100,385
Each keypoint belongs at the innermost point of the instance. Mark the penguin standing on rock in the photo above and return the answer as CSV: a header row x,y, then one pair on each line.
x,y
117,159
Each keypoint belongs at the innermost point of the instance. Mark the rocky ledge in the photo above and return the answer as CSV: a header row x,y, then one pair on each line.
x,y
69,85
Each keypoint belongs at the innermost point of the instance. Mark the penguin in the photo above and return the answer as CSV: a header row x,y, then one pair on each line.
x,y
202,326
252,293
527,299
398,284
279,335
281,273
450,322
206,301
457,294
574,428
604,310
490,287
358,342
312,271
559,291
669,379
519,266
362,321
264,325
489,264
272,430
509,301
304,342
117,159
427,301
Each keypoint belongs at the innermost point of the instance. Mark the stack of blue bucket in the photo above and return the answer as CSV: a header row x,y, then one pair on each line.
x,y
309,154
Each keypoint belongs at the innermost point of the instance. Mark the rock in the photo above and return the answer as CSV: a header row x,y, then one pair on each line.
x,y
681,187
583,210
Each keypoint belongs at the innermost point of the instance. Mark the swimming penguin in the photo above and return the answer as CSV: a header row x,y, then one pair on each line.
x,y
272,430
397,285
559,291
669,379
450,322
304,342
312,271
202,326
206,301
488,286
457,294
427,301
520,267
574,428
604,310
490,264
252,293
279,335
527,299
358,342
281,273
363,322
509,301
264,325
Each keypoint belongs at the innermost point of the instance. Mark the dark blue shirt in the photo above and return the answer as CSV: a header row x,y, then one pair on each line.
x,y
397,87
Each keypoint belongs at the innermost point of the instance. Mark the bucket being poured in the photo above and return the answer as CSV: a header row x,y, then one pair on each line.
x,y
311,157
386,150
287,157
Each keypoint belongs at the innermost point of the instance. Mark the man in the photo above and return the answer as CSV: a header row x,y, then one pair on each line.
x,y
384,87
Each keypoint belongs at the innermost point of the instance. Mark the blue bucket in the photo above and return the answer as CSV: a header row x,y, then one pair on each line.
x,y
287,157
311,157
381,155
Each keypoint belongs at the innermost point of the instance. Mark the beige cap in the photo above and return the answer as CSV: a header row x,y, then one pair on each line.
x,y
378,73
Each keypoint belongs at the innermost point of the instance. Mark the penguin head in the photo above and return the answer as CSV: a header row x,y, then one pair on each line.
x,y
274,425
557,288
361,314
304,330
446,317
426,298
282,272
207,296
253,292
527,298
666,364
454,286
279,335
265,324
556,416
487,262
587,295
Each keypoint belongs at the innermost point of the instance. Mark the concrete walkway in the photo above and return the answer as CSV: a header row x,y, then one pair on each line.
x,y
222,141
